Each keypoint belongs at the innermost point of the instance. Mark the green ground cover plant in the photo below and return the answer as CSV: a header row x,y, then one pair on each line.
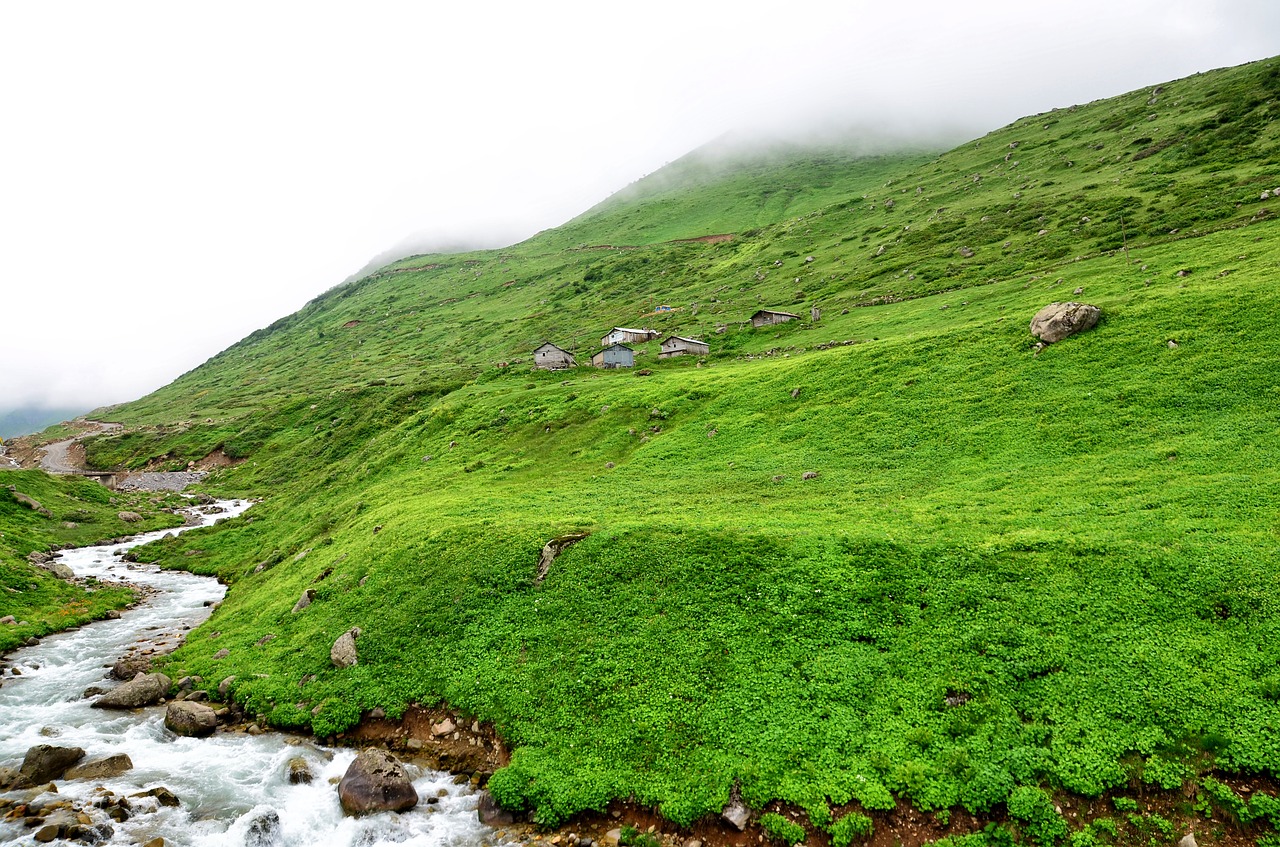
x,y
895,553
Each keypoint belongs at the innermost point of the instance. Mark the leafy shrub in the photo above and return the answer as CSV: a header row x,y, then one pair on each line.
x,y
1217,796
849,827
1263,806
780,829
1165,773
1124,804
820,816
1040,820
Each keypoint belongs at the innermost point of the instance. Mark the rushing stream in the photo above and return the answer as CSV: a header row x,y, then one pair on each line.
x,y
229,784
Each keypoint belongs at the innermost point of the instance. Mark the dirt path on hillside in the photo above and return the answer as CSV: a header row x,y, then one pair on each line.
x,y
67,457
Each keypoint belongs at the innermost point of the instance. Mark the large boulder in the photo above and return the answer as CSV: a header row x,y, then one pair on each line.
x,y
104,768
45,762
127,667
140,691
59,570
490,813
1059,320
375,782
189,718
343,652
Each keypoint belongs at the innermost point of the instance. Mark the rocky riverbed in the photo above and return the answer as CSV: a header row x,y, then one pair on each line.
x,y
142,772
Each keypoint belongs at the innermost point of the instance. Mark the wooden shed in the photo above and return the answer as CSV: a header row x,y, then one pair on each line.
x,y
677,345
622,335
549,357
614,356
768,317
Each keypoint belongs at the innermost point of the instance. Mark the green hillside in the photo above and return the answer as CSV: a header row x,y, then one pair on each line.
x,y
731,185
1015,571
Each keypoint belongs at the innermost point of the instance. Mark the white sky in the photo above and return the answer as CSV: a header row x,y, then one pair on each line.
x,y
174,176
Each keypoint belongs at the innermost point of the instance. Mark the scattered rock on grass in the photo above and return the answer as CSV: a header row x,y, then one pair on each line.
x,y
305,600
1060,320
343,653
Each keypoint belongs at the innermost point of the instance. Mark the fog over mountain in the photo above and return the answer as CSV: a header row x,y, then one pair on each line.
x,y
183,177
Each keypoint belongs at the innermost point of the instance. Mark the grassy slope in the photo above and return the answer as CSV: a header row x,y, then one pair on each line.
x,y
1083,542
82,512
729,186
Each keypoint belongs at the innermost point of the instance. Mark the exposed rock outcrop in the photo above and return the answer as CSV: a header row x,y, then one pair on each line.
x,y
552,549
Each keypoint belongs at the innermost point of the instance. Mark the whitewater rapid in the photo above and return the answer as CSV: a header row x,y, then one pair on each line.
x,y
233,787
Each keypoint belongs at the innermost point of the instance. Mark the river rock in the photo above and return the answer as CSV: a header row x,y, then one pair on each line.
x,y
299,771
103,768
375,782
163,796
9,620
9,778
1060,320
490,813
59,570
343,652
128,667
264,830
140,691
224,687
129,517
44,762
189,718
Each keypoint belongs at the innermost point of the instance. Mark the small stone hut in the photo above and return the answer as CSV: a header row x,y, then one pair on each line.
x,y
622,335
769,317
614,356
676,345
549,357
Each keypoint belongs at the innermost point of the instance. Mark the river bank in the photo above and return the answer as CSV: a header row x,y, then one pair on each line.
x,y
232,788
